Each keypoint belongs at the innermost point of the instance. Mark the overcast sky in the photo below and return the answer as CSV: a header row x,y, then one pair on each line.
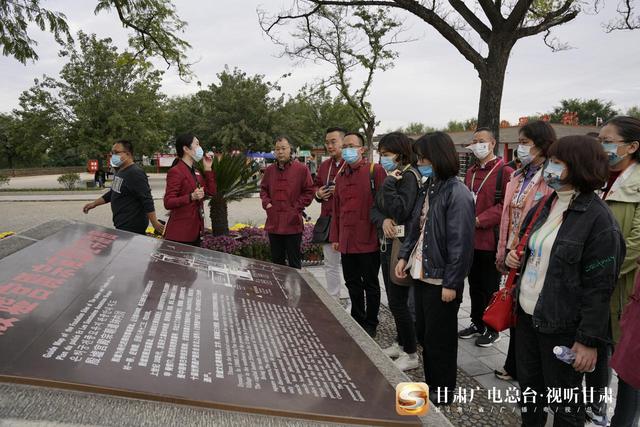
x,y
430,83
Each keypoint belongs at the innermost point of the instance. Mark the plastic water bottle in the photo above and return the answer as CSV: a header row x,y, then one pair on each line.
x,y
566,355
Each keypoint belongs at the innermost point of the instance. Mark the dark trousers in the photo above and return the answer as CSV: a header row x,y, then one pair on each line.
x,y
398,297
541,372
437,331
599,380
510,362
484,281
360,273
627,412
286,246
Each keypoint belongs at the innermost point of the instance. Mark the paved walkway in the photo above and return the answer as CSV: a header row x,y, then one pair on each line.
x,y
489,406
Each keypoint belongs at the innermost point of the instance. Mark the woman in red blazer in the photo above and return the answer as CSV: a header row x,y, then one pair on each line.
x,y
186,190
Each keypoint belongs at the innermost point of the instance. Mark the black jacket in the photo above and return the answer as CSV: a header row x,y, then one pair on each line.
x,y
585,261
396,199
449,231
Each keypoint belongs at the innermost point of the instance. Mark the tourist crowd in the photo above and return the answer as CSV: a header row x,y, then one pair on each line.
x,y
562,219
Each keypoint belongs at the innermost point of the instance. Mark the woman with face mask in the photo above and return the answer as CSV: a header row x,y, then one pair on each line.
x,y
393,207
186,190
568,271
620,138
525,188
437,253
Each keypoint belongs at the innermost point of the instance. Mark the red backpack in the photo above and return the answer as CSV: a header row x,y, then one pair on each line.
x,y
626,357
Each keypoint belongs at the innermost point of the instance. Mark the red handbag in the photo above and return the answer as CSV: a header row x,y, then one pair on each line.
x,y
499,314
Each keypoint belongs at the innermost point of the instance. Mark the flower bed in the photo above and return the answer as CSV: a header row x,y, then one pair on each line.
x,y
252,242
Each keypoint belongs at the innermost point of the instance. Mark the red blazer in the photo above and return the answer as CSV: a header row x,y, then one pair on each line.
x,y
351,224
185,222
488,212
327,172
289,191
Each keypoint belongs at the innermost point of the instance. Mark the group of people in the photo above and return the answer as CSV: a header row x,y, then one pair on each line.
x,y
571,204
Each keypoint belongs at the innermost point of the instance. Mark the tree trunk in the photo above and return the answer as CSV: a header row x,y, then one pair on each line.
x,y
491,86
219,213
369,129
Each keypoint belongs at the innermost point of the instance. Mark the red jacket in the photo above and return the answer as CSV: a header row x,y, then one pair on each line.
x,y
351,224
327,173
289,190
487,211
185,222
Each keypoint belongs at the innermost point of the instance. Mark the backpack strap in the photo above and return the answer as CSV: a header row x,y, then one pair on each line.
x,y
372,180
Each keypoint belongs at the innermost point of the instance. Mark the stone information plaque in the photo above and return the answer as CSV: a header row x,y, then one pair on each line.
x,y
100,310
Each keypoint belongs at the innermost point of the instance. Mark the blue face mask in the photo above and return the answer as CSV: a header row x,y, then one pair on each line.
x,y
426,171
388,163
116,160
350,155
612,151
198,154
551,174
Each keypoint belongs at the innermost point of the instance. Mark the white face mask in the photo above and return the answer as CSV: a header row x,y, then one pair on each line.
x,y
524,154
480,150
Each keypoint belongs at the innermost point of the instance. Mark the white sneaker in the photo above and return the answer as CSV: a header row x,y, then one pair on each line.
x,y
406,362
393,351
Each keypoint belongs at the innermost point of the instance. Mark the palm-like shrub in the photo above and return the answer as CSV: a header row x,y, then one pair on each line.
x,y
234,173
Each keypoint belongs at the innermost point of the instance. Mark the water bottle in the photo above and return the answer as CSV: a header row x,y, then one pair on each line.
x,y
565,354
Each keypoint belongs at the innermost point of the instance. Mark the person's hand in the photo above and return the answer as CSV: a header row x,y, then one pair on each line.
x,y
198,194
501,267
336,246
448,295
400,266
158,227
513,259
397,174
586,357
86,208
325,193
207,161
477,222
269,206
389,228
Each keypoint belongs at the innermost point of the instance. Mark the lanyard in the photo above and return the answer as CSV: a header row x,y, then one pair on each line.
x,y
473,177
337,173
536,235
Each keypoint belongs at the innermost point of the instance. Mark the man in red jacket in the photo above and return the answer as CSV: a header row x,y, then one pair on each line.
x,y
286,189
353,233
486,179
325,185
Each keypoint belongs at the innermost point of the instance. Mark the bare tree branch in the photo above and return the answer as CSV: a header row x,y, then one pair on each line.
x,y
492,10
628,21
483,31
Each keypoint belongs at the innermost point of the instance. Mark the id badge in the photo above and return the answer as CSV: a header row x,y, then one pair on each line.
x,y
399,230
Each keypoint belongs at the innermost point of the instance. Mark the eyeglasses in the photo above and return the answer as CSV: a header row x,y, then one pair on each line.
x,y
604,141
118,152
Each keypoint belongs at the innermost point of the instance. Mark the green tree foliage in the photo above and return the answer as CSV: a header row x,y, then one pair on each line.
x,y
634,111
69,180
110,96
154,23
307,116
235,180
588,110
9,152
461,126
417,128
101,96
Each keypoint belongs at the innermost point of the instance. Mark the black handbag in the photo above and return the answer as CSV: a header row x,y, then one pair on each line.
x,y
321,230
